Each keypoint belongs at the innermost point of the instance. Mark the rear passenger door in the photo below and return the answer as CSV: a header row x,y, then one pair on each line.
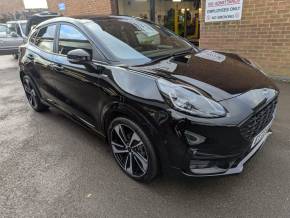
x,y
76,84
40,59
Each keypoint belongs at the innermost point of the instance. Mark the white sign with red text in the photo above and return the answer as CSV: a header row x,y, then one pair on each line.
x,y
223,10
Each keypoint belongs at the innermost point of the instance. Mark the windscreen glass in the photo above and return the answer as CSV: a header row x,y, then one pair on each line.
x,y
132,39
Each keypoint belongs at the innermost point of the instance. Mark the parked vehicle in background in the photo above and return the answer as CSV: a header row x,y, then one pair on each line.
x,y
19,27
38,18
18,30
161,102
3,29
9,41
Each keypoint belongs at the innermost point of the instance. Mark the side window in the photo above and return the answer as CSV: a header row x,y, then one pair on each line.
x,y
70,38
45,38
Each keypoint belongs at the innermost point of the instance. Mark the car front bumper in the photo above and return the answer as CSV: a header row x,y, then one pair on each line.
x,y
199,147
236,166
218,150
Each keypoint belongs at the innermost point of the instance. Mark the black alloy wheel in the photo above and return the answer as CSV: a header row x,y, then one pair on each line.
x,y
133,150
32,96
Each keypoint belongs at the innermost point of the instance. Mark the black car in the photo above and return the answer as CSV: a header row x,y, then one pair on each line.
x,y
162,104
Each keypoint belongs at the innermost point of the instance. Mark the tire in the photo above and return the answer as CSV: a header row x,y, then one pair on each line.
x,y
131,146
32,95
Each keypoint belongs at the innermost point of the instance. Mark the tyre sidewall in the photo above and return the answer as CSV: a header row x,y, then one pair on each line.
x,y
152,159
39,107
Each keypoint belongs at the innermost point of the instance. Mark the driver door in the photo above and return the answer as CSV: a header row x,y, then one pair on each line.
x,y
77,85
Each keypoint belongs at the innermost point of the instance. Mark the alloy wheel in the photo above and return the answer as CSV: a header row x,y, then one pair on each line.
x,y
30,93
129,150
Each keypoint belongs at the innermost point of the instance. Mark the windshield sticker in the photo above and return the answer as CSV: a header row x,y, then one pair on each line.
x,y
211,55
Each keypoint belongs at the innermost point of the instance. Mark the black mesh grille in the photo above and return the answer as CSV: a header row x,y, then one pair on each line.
x,y
258,121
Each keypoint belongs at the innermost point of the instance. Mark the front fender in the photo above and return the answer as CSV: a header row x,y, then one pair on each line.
x,y
144,119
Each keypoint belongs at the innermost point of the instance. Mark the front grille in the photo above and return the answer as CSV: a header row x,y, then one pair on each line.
x,y
258,121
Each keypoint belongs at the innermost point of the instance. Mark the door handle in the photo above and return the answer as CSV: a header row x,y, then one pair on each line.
x,y
58,68
30,57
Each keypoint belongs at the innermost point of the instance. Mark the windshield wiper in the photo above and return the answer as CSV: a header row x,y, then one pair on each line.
x,y
171,55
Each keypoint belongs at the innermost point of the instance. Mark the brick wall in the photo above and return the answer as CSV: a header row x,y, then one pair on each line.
x,y
262,35
82,7
11,6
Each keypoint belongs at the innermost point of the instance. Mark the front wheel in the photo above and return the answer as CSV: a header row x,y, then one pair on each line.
x,y
133,150
32,95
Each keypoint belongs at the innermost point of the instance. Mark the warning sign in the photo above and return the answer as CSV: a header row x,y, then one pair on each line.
x,y
223,10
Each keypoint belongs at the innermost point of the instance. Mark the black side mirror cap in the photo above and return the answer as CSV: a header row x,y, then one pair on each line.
x,y
79,56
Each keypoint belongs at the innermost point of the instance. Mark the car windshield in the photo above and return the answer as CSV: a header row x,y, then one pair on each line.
x,y
3,28
136,41
3,31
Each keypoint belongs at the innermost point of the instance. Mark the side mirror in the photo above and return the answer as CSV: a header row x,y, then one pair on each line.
x,y
14,35
79,56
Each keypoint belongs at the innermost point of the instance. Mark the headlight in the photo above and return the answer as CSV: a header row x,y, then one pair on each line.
x,y
189,100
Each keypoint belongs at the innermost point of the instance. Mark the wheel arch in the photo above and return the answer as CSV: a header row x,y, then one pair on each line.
x,y
118,109
22,74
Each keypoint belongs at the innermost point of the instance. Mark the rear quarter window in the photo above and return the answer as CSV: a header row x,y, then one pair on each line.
x,y
44,39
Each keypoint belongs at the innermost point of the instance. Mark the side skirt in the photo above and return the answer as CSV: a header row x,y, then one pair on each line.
x,y
75,118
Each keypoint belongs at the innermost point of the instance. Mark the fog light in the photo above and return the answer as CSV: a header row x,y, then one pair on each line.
x,y
208,171
206,167
193,138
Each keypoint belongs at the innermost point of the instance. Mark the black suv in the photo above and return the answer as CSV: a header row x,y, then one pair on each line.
x,y
162,103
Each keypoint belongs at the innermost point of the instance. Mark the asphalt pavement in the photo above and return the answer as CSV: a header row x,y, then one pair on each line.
x,y
52,167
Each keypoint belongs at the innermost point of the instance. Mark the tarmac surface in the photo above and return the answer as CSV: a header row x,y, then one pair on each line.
x,y
52,167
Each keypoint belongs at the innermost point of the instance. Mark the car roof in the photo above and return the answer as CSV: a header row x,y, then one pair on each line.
x,y
17,21
84,19
107,17
58,19
45,14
